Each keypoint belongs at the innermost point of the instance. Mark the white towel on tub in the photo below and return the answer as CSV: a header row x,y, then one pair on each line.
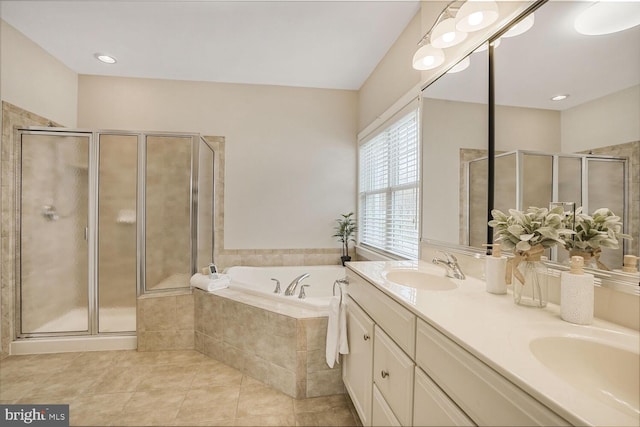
x,y
337,342
206,284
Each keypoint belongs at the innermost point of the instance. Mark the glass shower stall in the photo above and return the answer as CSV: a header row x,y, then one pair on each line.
x,y
105,216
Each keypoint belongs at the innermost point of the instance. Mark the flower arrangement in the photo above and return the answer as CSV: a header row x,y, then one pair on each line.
x,y
535,228
529,233
602,229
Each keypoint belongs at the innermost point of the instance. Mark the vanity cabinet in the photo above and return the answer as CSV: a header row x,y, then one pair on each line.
x,y
484,395
393,376
382,415
433,407
357,366
412,374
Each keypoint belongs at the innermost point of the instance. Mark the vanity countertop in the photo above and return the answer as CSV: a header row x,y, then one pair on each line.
x,y
498,332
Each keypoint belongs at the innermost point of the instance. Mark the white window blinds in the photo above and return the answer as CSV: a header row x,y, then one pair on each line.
x,y
388,193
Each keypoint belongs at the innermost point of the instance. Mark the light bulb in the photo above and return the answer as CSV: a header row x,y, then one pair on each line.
x,y
476,15
427,58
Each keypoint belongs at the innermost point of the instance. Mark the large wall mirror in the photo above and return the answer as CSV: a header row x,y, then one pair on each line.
x,y
583,149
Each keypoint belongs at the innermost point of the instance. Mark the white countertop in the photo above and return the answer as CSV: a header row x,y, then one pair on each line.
x,y
497,331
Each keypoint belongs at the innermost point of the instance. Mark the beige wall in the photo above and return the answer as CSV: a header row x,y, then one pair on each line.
x,y
516,128
392,78
527,129
609,120
290,158
32,79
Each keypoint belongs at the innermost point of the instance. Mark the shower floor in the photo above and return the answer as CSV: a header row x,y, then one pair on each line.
x,y
120,319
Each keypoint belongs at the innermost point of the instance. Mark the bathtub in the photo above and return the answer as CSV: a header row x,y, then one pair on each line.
x,y
276,339
256,281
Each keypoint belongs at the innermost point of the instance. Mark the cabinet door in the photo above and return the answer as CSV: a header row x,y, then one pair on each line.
x,y
393,374
357,367
382,415
434,408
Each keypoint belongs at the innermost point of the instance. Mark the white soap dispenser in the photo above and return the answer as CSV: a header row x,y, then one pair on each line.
x,y
576,294
495,270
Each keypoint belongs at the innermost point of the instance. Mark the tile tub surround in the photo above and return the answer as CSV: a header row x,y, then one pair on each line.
x,y
165,321
127,388
285,352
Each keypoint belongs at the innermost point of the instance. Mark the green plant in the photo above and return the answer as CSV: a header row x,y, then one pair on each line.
x,y
603,229
523,230
345,231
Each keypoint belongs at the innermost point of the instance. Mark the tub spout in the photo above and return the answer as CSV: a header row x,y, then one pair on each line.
x,y
291,289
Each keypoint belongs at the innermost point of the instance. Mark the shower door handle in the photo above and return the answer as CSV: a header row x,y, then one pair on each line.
x,y
86,233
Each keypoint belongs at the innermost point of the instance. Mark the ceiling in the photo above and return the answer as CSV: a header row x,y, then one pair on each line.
x,y
550,59
320,44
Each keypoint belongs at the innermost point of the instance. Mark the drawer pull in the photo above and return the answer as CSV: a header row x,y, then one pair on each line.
x,y
384,374
366,337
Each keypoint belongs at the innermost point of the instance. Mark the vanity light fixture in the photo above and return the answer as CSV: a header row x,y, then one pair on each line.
x,y
460,66
427,58
475,15
457,19
559,97
521,27
445,34
606,17
105,58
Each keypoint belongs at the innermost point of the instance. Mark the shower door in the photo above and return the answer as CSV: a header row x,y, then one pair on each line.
x,y
54,248
77,265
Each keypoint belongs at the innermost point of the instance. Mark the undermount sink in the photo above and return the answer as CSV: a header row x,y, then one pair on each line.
x,y
420,280
610,374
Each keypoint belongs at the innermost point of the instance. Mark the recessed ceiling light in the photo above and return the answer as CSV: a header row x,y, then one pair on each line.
x,y
105,58
559,97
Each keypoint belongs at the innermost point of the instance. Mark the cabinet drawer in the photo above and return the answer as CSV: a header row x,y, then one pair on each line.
x,y
433,407
484,395
396,320
382,414
393,374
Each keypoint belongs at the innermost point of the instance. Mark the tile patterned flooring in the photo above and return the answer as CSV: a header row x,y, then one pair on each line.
x,y
165,388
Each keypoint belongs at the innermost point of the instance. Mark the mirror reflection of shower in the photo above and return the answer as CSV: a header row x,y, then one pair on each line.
x,y
531,178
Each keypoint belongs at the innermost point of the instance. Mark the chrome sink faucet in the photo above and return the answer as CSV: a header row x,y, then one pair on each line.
x,y
450,264
291,289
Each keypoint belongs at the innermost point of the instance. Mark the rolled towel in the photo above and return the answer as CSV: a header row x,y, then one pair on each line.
x,y
206,284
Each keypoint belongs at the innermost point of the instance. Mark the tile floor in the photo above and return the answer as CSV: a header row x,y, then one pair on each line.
x,y
166,388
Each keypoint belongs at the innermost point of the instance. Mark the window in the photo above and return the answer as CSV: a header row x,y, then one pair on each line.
x,y
389,185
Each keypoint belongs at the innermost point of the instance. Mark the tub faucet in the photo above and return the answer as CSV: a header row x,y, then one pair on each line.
x,y
451,265
291,289
277,289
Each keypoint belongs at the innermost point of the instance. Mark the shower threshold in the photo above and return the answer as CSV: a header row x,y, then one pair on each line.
x,y
73,344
